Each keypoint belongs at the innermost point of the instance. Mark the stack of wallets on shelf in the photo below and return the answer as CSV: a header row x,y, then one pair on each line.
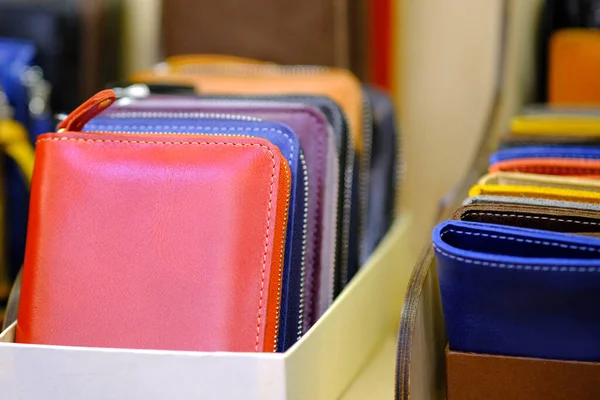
x,y
228,220
24,114
519,265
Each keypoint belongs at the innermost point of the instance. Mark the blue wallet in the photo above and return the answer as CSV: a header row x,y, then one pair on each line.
x,y
519,292
292,297
545,151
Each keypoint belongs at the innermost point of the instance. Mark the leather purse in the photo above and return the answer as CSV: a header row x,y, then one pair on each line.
x,y
544,151
553,181
295,271
536,192
385,170
550,166
546,218
530,201
512,141
322,164
180,240
520,292
577,124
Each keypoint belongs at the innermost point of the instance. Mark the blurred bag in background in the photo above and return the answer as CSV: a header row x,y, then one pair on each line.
x,y
337,33
78,43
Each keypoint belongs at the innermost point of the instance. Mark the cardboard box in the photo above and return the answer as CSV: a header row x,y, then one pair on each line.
x,y
480,376
320,366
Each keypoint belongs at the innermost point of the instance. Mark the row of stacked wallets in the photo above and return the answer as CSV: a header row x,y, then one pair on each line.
x,y
519,262
225,221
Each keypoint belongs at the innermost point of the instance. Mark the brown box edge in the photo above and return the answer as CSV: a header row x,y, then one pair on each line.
x,y
480,376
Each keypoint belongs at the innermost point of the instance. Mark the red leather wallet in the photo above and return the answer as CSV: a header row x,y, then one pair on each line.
x,y
154,241
550,166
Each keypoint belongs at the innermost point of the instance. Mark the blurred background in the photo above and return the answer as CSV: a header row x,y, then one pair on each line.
x,y
439,59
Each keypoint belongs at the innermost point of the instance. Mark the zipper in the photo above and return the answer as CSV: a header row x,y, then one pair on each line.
x,y
246,69
301,311
281,264
182,115
364,176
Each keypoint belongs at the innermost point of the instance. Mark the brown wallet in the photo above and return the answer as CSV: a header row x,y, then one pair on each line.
x,y
547,218
315,32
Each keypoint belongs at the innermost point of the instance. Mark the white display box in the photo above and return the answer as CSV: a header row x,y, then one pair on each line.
x,y
322,365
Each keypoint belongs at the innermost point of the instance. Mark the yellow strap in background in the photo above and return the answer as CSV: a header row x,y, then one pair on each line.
x,y
15,142
549,193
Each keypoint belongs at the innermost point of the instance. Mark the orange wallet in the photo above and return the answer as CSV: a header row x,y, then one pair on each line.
x,y
154,241
573,67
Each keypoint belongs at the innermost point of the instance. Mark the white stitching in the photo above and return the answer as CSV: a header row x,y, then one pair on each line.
x,y
530,217
192,127
542,268
539,242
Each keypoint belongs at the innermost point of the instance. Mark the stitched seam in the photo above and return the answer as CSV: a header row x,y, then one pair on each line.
x,y
572,221
267,235
550,243
196,128
526,267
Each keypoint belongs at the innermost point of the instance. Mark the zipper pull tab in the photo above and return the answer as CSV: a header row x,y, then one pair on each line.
x,y
88,110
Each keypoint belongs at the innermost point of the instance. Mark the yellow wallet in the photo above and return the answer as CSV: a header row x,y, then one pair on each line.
x,y
582,196
543,181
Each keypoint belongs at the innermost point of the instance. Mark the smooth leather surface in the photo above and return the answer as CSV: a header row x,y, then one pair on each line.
x,y
383,170
536,192
588,153
287,143
553,181
550,166
533,217
519,292
338,84
155,241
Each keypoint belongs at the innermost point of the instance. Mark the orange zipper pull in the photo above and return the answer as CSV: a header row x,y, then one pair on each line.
x,y
88,110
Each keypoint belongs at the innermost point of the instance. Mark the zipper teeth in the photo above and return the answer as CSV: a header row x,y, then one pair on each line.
x,y
249,69
281,265
364,177
182,115
304,244
347,206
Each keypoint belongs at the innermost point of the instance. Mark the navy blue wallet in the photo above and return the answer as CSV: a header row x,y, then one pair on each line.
x,y
545,151
519,292
285,139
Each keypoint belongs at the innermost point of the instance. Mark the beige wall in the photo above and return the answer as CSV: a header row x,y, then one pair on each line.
x,y
447,56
